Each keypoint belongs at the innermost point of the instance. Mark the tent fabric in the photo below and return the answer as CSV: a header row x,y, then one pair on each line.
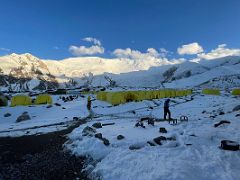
x,y
3,101
116,98
211,91
43,99
236,92
21,100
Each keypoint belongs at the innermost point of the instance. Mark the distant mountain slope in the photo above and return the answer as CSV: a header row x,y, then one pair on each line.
x,y
27,72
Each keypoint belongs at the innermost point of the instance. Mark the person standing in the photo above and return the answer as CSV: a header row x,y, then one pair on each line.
x,y
166,110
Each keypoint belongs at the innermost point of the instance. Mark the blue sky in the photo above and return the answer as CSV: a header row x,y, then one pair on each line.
x,y
48,29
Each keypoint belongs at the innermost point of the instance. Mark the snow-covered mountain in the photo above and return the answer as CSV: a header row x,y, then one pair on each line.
x,y
27,72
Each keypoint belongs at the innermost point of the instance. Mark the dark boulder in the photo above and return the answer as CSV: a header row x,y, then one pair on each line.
x,y
120,137
162,130
97,125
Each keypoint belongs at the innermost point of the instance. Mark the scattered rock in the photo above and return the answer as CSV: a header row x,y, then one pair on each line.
x,y
188,144
173,138
212,116
237,115
204,111
221,122
63,108
151,121
75,118
23,117
7,115
134,112
221,113
120,137
105,141
237,108
140,123
159,139
88,131
97,125
98,135
135,146
57,104
49,106
162,130
151,143
229,145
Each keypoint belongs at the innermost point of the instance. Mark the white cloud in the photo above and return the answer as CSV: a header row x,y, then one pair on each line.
x,y
96,48
92,40
220,51
193,48
5,49
135,54
83,50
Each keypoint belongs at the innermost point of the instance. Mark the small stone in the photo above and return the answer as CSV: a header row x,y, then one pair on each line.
x,y
63,108
173,138
120,137
237,115
237,108
135,147
97,125
221,113
204,111
88,131
221,122
105,141
57,104
75,118
23,117
98,135
49,106
7,115
162,130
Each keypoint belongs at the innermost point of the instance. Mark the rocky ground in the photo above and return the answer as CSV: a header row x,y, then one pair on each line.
x,y
39,157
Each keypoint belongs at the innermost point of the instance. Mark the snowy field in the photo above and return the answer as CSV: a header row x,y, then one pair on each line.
x,y
191,150
40,116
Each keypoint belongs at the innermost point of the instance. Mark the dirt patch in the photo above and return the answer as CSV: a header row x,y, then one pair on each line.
x,y
39,157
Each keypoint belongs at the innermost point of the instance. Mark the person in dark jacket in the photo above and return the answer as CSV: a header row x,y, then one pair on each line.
x,y
166,109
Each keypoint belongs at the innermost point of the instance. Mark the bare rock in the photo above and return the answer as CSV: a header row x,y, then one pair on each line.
x,y
229,145
237,108
88,131
105,141
97,125
57,104
7,115
136,146
120,137
159,140
98,135
151,143
23,117
221,122
49,106
162,130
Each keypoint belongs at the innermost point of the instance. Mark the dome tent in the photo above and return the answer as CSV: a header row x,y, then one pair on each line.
x,y
43,99
21,100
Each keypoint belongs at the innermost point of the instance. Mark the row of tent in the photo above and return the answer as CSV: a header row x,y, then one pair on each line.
x,y
24,100
116,98
120,97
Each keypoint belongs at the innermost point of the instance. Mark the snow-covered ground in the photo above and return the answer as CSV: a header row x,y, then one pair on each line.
x,y
194,154
41,116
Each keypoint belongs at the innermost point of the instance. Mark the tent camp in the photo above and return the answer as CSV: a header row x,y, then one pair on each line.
x,y
21,100
43,99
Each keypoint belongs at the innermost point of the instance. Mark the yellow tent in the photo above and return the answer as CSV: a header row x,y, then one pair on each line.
x,y
211,91
43,99
21,100
236,92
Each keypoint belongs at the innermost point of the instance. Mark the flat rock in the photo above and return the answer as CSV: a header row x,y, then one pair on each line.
x,y
221,122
